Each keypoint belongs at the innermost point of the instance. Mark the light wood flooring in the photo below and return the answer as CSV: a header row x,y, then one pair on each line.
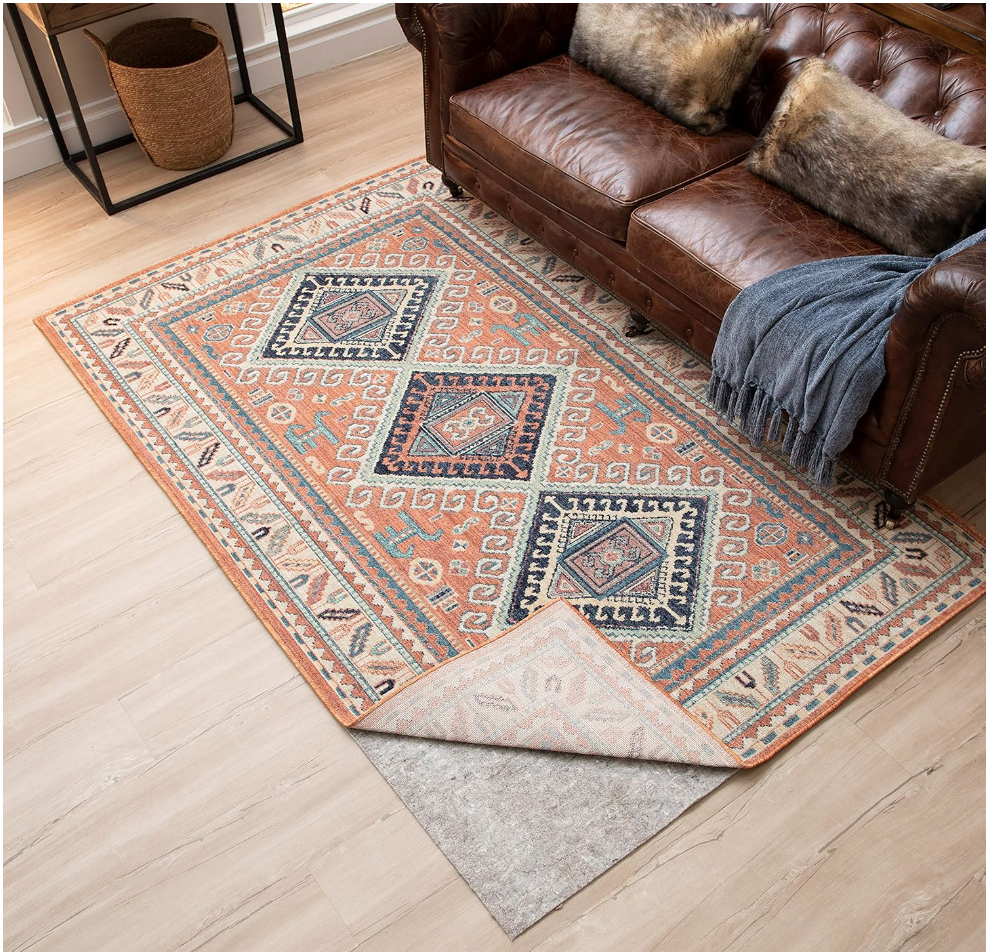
x,y
171,782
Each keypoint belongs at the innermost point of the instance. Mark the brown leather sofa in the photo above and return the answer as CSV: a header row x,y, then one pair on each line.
x,y
673,223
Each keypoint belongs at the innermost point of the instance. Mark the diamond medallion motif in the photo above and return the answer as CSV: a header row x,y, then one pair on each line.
x,y
348,316
483,426
611,557
628,562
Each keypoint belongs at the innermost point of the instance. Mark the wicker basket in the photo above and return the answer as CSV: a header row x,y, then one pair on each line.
x,y
173,82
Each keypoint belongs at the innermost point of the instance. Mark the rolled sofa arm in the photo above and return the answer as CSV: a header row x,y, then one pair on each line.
x,y
956,285
463,45
934,394
412,29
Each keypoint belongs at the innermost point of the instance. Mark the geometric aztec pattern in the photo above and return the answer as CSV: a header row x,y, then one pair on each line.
x,y
336,316
417,442
627,562
467,425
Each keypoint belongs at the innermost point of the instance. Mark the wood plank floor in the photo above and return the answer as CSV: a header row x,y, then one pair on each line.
x,y
172,784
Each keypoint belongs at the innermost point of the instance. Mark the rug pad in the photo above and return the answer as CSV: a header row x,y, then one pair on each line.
x,y
528,829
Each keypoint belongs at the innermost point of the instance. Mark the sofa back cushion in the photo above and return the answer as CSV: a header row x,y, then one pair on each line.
x,y
922,77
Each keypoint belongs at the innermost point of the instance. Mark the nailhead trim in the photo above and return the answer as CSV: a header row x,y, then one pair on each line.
x,y
909,404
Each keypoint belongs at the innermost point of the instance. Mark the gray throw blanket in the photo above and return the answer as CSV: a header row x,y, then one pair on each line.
x,y
808,343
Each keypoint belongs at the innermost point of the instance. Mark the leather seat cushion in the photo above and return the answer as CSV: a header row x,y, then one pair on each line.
x,y
715,237
584,144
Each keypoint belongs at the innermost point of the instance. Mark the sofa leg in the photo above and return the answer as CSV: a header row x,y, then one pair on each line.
x,y
639,326
895,507
454,188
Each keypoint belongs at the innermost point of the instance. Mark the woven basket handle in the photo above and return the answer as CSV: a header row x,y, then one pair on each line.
x,y
104,52
100,45
204,28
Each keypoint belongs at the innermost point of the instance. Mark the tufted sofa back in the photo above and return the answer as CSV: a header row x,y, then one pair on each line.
x,y
479,42
922,77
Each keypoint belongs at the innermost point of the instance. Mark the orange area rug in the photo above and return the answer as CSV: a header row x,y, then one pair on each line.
x,y
467,507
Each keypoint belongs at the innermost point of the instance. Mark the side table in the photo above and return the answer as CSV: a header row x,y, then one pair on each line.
x,y
53,19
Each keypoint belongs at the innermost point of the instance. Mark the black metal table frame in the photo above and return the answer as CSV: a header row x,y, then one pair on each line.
x,y
96,186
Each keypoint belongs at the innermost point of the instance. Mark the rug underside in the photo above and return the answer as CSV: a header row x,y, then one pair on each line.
x,y
528,829
469,509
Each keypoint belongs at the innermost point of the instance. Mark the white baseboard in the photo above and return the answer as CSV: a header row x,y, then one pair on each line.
x,y
353,33
31,146
360,30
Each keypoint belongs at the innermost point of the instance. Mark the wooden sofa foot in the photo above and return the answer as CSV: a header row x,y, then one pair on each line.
x,y
639,326
895,508
454,188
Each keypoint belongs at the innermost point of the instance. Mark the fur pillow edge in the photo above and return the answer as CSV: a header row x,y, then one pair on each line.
x,y
687,61
842,150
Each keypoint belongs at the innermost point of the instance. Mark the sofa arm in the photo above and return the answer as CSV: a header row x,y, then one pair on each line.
x,y
463,45
407,22
933,400
956,285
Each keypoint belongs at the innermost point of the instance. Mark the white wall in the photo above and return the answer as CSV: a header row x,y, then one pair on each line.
x,y
326,35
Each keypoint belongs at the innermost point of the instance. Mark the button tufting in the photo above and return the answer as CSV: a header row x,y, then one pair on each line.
x,y
877,82
938,114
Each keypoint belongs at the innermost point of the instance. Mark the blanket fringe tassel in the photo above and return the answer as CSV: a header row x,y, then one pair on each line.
x,y
760,417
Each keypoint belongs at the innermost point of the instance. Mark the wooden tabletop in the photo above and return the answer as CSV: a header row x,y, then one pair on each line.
x,y
54,18
964,26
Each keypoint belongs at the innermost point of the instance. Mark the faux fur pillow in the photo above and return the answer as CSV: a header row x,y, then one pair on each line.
x,y
686,60
845,151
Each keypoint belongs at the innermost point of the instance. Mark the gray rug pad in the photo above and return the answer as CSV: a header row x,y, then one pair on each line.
x,y
527,829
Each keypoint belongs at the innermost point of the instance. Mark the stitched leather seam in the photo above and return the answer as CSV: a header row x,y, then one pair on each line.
x,y
628,203
911,398
426,84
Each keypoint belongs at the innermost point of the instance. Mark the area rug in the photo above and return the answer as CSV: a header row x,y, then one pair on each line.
x,y
469,509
